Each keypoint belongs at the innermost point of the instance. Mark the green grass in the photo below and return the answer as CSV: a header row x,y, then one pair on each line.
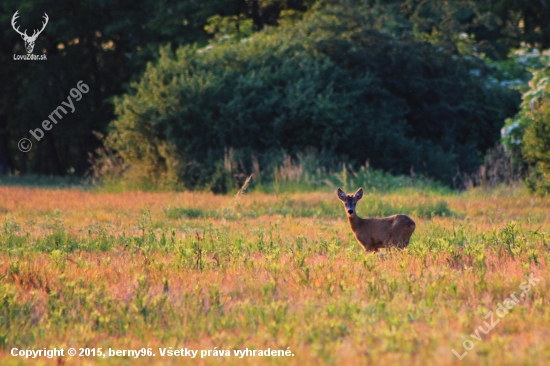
x,y
199,271
372,205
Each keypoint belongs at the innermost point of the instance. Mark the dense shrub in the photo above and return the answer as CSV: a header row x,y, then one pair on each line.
x,y
536,141
528,133
343,82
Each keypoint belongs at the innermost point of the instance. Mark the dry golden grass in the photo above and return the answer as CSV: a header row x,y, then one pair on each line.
x,y
134,270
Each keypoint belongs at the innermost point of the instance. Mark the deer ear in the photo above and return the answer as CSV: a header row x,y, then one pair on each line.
x,y
341,195
359,194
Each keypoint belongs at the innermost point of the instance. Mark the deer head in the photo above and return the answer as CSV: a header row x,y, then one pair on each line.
x,y
350,200
29,41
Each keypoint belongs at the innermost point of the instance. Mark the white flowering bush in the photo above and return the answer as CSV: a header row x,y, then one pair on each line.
x,y
528,133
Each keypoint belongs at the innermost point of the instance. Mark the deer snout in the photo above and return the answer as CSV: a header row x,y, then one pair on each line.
x,y
350,212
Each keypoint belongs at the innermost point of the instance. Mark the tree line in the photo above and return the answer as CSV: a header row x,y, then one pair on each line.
x,y
174,85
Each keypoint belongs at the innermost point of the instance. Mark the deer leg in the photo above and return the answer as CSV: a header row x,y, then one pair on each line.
x,y
370,248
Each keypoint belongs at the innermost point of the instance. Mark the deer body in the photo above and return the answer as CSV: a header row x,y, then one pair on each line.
x,y
373,234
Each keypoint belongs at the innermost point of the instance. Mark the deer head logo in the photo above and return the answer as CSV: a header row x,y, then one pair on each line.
x,y
29,41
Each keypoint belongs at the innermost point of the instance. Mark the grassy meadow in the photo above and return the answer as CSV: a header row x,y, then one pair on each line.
x,y
134,270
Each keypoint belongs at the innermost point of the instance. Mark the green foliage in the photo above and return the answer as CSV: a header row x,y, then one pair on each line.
x,y
370,206
483,27
536,147
529,131
185,212
432,209
340,82
230,26
106,44
432,63
377,180
517,70
512,23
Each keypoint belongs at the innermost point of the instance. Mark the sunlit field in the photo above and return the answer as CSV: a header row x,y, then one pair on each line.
x,y
279,271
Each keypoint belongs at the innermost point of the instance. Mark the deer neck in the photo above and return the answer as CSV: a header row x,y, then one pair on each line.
x,y
354,221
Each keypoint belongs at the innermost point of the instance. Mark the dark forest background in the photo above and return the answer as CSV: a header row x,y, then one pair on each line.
x,y
179,87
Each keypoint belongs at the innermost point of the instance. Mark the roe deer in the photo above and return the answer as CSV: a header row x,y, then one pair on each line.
x,y
374,234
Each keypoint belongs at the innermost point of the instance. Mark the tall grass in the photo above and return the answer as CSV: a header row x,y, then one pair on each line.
x,y
278,173
304,174
134,270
